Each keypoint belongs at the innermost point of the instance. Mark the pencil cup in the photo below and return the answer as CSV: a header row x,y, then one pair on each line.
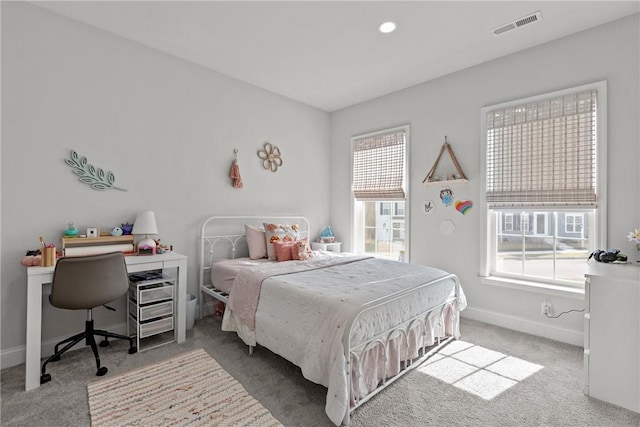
x,y
48,257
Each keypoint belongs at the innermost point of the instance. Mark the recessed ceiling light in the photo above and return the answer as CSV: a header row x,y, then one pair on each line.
x,y
387,27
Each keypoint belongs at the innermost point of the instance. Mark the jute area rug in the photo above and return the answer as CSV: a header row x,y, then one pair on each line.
x,y
189,389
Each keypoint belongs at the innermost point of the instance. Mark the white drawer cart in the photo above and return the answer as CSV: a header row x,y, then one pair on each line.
x,y
612,334
152,308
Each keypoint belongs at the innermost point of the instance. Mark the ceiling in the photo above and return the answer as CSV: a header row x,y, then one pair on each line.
x,y
329,54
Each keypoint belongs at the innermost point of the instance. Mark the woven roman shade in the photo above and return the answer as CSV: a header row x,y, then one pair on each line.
x,y
378,167
543,153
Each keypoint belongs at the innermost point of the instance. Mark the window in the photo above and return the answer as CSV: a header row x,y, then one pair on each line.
x,y
573,223
508,222
541,223
544,203
379,192
522,223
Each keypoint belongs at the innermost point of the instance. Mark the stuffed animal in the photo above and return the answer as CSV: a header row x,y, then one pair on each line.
x,y
32,258
161,249
303,253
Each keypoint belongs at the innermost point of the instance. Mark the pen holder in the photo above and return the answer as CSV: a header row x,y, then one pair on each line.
x,y
48,257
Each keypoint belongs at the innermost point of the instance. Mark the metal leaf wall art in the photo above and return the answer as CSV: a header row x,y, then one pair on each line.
x,y
96,178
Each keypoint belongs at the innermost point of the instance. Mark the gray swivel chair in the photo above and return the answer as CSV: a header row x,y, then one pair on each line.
x,y
83,283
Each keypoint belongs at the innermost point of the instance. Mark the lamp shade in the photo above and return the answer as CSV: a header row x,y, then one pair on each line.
x,y
145,223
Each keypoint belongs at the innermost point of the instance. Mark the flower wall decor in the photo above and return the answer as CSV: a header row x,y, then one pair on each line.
x,y
270,157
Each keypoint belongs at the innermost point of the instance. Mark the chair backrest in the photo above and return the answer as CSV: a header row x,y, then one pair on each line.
x,y
89,281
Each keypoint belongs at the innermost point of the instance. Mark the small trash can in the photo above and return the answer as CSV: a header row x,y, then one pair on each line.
x,y
192,308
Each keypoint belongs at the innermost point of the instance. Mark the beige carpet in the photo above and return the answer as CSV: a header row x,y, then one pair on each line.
x,y
188,389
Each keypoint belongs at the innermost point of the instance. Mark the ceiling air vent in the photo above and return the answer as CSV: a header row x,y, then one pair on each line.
x,y
532,17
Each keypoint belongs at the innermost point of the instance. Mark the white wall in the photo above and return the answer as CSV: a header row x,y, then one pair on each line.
x,y
165,127
451,106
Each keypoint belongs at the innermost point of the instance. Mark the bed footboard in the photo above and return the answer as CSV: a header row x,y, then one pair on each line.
x,y
394,336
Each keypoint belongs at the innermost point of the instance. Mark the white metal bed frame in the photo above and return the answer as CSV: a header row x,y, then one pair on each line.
x,y
419,321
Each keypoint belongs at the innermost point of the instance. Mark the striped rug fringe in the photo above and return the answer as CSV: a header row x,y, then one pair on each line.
x,y
190,389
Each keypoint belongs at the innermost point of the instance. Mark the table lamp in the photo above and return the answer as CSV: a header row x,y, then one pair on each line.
x,y
145,223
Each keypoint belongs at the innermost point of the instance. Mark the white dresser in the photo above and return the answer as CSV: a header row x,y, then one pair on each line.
x,y
612,334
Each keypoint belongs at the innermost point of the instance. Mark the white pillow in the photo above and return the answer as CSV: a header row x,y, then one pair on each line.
x,y
279,233
256,241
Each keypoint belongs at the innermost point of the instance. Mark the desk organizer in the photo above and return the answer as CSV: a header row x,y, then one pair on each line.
x,y
48,257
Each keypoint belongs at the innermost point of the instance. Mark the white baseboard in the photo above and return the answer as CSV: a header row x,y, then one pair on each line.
x,y
525,325
17,355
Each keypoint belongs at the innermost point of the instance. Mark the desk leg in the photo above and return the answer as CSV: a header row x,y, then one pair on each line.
x,y
181,326
34,333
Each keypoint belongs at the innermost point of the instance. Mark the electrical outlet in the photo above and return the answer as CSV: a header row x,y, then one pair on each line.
x,y
545,309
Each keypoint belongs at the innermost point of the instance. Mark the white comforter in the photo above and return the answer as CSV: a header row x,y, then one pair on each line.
x,y
302,316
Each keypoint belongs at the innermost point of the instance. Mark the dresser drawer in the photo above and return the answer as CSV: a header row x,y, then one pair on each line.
x,y
156,327
153,293
156,310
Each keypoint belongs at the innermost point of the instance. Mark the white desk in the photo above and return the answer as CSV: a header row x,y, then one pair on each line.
x,y
39,276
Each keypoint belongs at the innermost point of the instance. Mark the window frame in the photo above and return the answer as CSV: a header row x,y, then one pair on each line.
x,y
531,234
487,245
357,207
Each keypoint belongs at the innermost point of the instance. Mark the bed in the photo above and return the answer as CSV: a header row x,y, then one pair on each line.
x,y
352,323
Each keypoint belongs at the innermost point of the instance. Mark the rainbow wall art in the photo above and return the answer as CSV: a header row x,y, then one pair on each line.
x,y
463,206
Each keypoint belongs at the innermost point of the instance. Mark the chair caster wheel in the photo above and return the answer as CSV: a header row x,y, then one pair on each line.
x,y
45,378
104,343
133,350
55,359
102,371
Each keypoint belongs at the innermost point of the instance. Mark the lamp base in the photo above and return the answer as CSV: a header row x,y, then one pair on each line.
x,y
146,247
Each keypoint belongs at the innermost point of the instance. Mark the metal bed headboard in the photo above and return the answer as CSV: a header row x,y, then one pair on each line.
x,y
218,232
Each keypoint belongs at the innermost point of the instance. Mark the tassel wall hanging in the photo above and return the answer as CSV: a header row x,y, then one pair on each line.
x,y
234,173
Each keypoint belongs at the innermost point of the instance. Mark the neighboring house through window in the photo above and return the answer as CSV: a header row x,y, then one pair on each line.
x,y
380,194
544,193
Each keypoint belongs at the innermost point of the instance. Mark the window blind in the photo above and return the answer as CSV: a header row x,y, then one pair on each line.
x,y
543,153
378,167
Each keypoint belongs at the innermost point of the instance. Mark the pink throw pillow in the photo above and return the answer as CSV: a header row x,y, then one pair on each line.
x,y
284,250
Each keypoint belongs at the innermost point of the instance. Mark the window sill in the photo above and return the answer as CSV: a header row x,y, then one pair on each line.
x,y
543,288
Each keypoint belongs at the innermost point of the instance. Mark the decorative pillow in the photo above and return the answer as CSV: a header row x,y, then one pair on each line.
x,y
284,250
256,241
300,250
279,233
